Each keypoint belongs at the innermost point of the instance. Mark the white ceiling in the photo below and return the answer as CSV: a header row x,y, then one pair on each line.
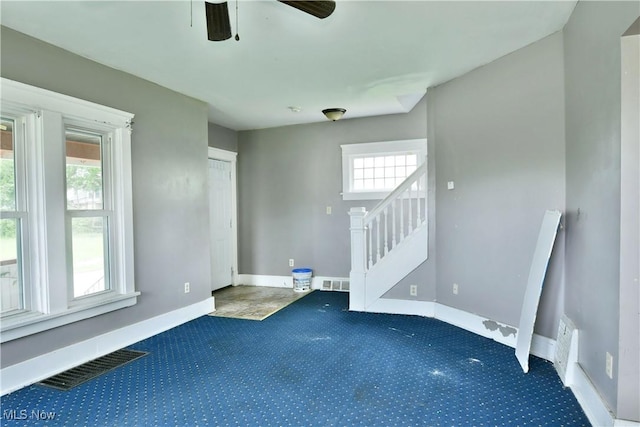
x,y
370,57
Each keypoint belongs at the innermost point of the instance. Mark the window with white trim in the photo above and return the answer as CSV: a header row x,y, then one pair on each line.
x,y
66,223
372,170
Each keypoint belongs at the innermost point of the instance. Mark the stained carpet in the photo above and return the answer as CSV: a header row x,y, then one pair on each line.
x,y
253,302
313,363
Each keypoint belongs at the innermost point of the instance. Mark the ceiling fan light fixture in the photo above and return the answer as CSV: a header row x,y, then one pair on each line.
x,y
318,8
334,114
218,24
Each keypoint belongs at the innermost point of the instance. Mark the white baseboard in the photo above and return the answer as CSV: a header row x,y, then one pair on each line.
x,y
540,346
543,347
505,334
30,371
282,281
474,323
265,280
409,307
589,398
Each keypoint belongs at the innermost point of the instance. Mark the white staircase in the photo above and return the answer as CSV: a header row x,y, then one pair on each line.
x,y
389,242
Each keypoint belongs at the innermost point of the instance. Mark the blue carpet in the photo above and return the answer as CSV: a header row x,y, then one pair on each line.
x,y
312,363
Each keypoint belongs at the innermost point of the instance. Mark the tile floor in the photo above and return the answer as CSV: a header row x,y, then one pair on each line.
x,y
253,302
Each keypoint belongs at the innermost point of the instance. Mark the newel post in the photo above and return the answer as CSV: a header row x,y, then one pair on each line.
x,y
358,260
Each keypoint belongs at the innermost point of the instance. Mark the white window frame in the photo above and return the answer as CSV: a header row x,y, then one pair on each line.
x,y
20,211
353,151
50,300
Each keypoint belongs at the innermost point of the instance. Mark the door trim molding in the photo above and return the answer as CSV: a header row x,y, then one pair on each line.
x,y
231,157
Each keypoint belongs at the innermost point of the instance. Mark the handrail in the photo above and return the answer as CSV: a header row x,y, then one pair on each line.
x,y
404,186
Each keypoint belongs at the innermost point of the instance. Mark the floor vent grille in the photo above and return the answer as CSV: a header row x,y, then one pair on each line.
x,y
87,371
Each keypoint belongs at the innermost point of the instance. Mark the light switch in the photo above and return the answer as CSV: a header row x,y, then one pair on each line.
x,y
328,210
450,185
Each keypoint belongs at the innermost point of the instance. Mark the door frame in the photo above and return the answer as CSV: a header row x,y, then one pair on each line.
x,y
231,157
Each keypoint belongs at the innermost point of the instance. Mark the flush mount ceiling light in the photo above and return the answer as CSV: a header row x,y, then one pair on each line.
x,y
334,114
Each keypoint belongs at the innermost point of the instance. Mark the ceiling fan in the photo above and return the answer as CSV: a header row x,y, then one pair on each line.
x,y
219,26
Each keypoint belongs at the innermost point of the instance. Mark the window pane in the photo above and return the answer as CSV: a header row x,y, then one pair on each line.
x,y
7,166
379,162
412,159
358,174
88,251
10,277
389,161
389,172
400,160
358,163
84,170
368,162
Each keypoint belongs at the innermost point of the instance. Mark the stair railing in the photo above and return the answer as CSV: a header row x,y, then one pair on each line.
x,y
376,233
396,217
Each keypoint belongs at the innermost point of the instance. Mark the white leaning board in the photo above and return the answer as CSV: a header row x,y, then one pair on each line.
x,y
539,263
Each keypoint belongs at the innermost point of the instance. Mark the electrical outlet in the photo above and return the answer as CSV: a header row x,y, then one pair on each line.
x,y
328,210
455,289
291,262
608,367
187,287
413,290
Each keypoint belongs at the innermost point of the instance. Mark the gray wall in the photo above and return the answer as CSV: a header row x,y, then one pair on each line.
x,y
287,177
170,202
425,275
223,138
629,323
592,91
499,135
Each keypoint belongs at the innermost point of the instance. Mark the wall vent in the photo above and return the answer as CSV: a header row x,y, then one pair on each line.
x,y
566,354
335,285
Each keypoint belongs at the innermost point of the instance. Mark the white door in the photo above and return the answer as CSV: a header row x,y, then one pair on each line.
x,y
220,223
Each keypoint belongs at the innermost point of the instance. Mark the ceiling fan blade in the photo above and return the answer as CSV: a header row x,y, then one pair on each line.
x,y
218,25
320,8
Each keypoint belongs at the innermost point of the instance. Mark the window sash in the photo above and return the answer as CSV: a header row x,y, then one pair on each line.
x,y
107,239
45,229
365,173
19,211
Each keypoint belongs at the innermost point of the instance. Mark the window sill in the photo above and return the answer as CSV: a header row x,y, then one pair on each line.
x,y
24,324
368,195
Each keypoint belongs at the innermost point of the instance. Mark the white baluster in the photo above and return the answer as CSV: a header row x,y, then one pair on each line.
x,y
410,229
418,215
370,246
393,224
378,238
386,231
401,218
